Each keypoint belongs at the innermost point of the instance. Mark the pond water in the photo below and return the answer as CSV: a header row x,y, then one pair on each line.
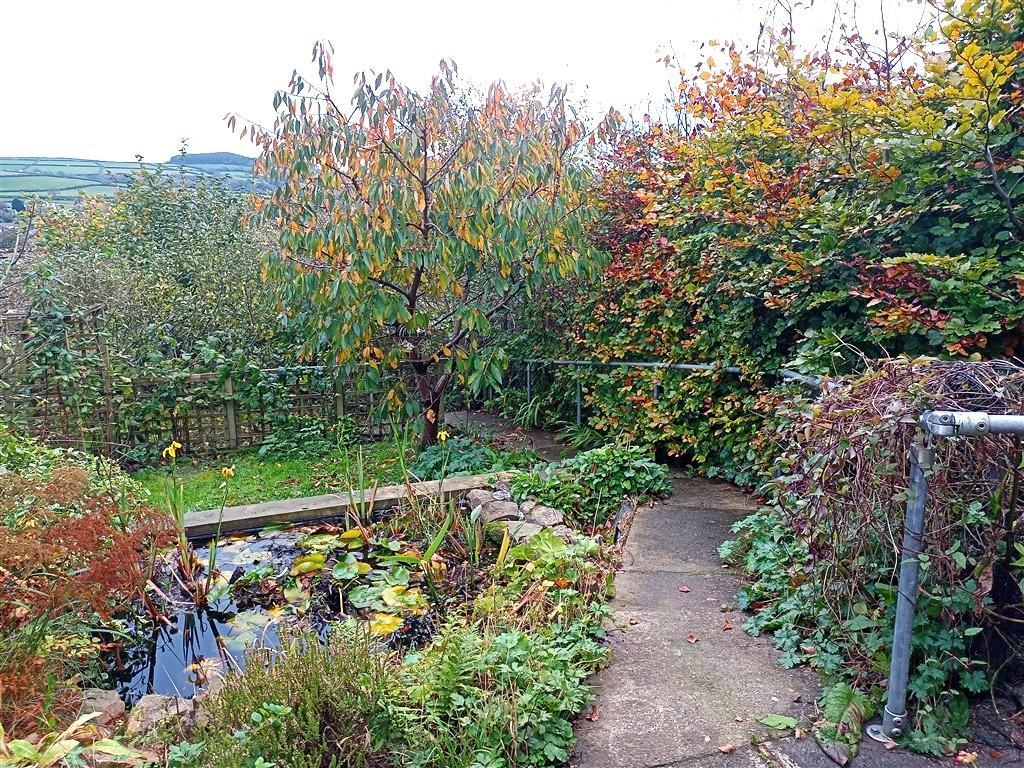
x,y
194,645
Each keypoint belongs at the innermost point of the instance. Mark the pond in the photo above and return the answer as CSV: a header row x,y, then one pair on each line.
x,y
308,576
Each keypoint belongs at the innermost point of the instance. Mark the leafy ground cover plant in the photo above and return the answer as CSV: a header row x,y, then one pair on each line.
x,y
466,456
591,485
307,436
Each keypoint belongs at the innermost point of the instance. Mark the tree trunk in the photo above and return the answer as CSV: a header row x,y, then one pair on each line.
x,y
431,403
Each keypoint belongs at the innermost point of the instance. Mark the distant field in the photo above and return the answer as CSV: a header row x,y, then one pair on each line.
x,y
36,184
63,179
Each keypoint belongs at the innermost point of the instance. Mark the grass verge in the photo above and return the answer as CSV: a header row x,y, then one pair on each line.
x,y
263,478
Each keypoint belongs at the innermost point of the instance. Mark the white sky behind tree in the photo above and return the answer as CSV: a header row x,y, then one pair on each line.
x,y
105,79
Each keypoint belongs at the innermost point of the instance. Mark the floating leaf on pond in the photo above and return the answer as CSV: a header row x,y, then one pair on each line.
x,y
347,568
392,596
293,593
248,556
322,542
246,620
308,563
201,670
384,624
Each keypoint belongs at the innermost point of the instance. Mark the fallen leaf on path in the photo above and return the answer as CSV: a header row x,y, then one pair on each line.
x,y
633,621
692,638
593,713
799,733
726,625
778,722
727,749
995,754
683,588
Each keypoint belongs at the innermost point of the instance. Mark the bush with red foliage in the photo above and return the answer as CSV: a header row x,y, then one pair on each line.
x,y
71,555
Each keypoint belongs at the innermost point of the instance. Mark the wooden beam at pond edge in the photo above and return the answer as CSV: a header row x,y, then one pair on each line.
x,y
252,517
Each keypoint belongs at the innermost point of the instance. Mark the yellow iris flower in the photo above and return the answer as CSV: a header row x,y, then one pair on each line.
x,y
171,451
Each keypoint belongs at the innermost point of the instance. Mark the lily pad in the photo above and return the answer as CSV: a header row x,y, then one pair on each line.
x,y
350,568
384,624
308,563
293,593
322,542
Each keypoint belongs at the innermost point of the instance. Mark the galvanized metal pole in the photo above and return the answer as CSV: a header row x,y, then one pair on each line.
x,y
894,717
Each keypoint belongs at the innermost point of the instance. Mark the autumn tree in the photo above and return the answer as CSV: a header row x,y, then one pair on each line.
x,y
408,221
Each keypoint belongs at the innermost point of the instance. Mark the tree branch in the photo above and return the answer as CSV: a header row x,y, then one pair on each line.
x,y
1002,193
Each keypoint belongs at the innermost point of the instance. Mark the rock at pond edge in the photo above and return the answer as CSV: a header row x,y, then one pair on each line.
x,y
154,708
107,703
546,516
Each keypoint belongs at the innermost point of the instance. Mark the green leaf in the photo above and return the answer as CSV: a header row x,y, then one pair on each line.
x,y
778,722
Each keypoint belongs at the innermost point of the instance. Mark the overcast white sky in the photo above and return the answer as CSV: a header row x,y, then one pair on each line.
x,y
104,79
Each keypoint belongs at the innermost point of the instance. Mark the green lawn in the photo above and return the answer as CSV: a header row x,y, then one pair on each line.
x,y
259,479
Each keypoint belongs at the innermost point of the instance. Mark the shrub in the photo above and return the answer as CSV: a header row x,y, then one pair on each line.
x,y
465,456
803,213
822,554
297,435
66,518
307,705
454,456
615,471
591,485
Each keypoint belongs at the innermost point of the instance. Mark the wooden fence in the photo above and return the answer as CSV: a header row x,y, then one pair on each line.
x,y
206,412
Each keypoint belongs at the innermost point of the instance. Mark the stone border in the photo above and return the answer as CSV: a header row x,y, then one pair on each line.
x,y
250,517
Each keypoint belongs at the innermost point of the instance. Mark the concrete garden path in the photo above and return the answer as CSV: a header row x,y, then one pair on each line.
x,y
683,689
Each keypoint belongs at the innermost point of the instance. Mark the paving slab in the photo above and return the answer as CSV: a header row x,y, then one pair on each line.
x,y
685,681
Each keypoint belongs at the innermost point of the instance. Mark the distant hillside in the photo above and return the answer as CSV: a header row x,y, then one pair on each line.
x,y
212,158
65,179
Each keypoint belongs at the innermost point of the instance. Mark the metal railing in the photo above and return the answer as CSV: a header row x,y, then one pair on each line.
x,y
785,375
932,426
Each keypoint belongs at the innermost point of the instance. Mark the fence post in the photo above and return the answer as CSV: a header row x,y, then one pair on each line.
x,y
339,400
108,388
230,412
